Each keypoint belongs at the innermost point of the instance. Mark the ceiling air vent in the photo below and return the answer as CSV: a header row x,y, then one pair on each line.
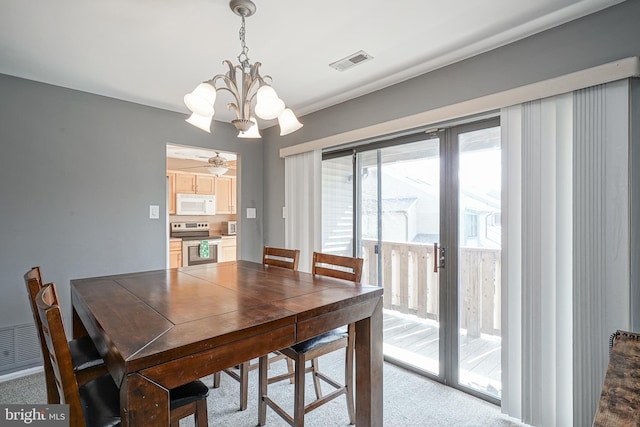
x,y
351,61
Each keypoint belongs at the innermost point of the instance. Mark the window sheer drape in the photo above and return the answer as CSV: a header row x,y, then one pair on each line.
x,y
566,249
302,195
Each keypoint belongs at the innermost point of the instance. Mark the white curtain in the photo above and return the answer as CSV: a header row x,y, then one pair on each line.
x,y
303,210
565,289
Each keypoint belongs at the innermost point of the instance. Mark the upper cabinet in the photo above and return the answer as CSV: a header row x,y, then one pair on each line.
x,y
187,183
205,184
225,195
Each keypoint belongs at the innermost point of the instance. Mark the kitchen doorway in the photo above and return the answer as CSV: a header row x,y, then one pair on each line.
x,y
202,192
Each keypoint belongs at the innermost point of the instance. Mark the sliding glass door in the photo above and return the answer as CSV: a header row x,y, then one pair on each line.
x,y
423,211
477,348
400,219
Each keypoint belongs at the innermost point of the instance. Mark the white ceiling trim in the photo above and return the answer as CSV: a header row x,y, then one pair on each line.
x,y
612,71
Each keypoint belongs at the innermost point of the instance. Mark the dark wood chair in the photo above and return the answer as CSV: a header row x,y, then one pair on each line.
x,y
96,403
86,361
280,257
326,265
277,257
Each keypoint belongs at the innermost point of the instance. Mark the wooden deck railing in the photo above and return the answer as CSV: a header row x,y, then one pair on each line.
x,y
411,286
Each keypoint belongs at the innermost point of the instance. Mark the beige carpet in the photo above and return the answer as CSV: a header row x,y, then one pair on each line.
x,y
409,400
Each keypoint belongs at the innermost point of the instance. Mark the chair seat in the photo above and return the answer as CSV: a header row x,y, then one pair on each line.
x,y
188,393
101,400
320,341
84,354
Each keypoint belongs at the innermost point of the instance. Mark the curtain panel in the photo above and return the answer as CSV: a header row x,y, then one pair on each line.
x,y
303,205
566,249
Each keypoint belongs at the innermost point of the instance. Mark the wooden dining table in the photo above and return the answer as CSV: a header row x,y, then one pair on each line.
x,y
160,329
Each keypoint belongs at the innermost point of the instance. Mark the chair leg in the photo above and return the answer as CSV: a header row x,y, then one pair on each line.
x,y
349,356
292,380
201,416
244,385
316,381
263,366
216,380
298,400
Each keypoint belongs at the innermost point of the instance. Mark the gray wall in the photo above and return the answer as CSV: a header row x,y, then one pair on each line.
x,y
77,175
606,36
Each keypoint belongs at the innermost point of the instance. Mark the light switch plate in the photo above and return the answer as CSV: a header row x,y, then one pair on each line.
x,y
251,213
154,212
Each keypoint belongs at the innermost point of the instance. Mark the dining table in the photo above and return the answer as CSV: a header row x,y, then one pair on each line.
x,y
157,330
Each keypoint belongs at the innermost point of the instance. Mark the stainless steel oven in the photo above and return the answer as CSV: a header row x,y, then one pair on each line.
x,y
193,255
194,235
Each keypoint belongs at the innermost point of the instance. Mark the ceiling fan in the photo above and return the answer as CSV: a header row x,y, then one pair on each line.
x,y
217,165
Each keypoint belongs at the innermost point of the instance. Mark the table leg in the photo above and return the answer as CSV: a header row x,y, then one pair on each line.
x,y
79,330
369,359
143,402
262,387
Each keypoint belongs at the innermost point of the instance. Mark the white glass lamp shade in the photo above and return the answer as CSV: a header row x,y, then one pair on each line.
x,y
268,105
253,131
217,170
202,122
201,100
288,122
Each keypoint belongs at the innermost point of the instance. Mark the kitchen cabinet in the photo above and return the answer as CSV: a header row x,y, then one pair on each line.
x,y
171,177
205,184
225,195
175,253
185,183
190,183
228,248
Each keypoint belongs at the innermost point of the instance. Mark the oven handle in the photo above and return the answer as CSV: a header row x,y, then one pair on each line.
x,y
213,245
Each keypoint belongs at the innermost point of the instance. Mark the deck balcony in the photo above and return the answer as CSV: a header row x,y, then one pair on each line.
x,y
412,311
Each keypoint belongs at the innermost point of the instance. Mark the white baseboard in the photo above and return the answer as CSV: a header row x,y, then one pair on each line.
x,y
20,374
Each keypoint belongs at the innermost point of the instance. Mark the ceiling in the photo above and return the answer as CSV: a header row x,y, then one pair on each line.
x,y
152,52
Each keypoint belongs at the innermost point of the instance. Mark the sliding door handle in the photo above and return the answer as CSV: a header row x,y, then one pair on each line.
x,y
438,257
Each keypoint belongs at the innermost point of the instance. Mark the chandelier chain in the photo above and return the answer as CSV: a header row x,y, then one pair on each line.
x,y
243,58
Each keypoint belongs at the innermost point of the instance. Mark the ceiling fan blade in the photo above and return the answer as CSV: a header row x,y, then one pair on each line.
x,y
194,167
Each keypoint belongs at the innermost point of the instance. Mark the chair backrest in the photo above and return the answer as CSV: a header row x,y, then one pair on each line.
x,y
33,281
280,257
59,354
348,268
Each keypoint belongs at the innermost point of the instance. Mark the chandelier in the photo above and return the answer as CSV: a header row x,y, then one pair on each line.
x,y
244,83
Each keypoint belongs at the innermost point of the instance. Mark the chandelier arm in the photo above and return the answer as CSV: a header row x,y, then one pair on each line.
x,y
229,85
234,107
258,81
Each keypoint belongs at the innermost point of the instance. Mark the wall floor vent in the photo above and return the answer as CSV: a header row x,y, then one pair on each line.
x,y
19,348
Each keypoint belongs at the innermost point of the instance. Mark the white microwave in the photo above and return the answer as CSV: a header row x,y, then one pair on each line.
x,y
195,204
